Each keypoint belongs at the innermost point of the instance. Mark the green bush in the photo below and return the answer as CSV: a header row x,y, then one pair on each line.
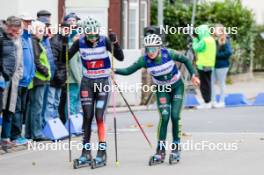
x,y
230,13
259,50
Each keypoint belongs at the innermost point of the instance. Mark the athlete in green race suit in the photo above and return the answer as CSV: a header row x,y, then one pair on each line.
x,y
160,63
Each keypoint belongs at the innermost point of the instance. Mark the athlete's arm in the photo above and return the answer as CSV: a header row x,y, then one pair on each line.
x,y
118,52
133,68
74,49
183,59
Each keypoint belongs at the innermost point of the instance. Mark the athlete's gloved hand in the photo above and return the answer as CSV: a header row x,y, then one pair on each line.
x,y
113,37
64,40
113,73
76,37
196,81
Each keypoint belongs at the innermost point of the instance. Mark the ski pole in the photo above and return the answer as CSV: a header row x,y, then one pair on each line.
x,y
68,101
116,154
133,114
114,107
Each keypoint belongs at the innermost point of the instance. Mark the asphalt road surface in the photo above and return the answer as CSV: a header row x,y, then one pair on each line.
x,y
239,131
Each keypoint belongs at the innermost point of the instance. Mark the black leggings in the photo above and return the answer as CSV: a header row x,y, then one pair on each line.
x,y
205,77
94,98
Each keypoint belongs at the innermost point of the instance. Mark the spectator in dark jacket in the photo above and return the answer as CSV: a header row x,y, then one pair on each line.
x,y
2,80
58,80
8,53
37,86
219,74
12,48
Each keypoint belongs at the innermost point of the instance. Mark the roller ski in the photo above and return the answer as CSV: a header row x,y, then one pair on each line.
x,y
101,157
159,157
175,155
84,161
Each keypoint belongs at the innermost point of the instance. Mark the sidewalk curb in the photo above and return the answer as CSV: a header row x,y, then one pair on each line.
x,y
125,109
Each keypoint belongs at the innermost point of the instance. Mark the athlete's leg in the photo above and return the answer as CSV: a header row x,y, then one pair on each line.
x,y
87,101
176,107
101,98
164,107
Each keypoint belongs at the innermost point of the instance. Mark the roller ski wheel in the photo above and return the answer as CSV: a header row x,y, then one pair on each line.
x,y
97,163
81,162
100,159
156,159
174,157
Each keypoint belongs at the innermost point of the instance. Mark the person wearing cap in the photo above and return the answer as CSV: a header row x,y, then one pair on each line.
x,y
72,20
37,86
48,104
44,13
75,73
59,78
13,72
2,80
28,75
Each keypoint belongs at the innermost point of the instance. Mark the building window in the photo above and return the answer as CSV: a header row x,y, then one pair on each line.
x,y
133,28
124,23
143,20
133,24
130,24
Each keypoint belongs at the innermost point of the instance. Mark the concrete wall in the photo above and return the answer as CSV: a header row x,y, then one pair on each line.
x,y
97,9
258,8
17,7
133,98
8,9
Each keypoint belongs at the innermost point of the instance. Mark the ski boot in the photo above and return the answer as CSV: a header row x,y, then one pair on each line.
x,y
159,157
85,159
101,156
175,154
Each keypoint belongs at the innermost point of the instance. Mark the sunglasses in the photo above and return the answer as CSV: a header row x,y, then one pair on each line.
x,y
152,49
92,36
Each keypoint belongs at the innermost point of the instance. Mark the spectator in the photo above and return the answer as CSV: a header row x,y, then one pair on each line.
x,y
48,111
54,92
224,51
28,75
205,48
75,74
2,80
44,13
12,50
37,86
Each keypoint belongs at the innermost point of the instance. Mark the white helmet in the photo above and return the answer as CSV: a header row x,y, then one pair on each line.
x,y
152,40
90,24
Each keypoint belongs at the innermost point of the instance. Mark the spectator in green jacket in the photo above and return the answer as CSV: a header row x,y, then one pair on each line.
x,y
204,47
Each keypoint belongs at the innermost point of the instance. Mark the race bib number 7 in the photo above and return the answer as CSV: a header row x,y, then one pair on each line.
x,y
95,64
